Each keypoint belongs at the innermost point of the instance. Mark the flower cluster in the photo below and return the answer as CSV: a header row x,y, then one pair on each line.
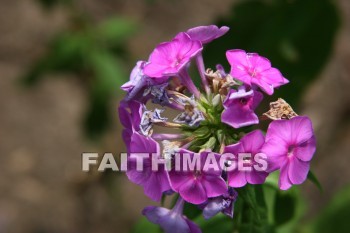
x,y
212,120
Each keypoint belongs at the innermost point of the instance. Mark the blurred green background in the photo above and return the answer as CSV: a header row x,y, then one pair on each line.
x,y
62,63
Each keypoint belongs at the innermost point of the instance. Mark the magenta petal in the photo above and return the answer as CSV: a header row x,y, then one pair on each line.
x,y
234,148
253,141
284,183
266,87
187,47
255,177
193,192
258,62
177,179
276,151
298,170
257,98
152,187
274,77
124,116
170,58
237,119
306,150
214,186
237,179
239,110
301,129
206,34
138,177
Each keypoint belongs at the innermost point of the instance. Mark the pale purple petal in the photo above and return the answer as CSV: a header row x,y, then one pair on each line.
x,y
193,227
206,34
153,213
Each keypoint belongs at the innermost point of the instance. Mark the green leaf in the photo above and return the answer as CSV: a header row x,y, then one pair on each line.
x,y
108,70
335,217
202,132
284,207
143,225
210,144
311,176
115,30
219,223
191,211
253,213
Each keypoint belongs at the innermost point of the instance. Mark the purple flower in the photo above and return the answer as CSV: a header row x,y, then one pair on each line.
x,y
250,68
290,145
138,81
169,58
154,182
222,204
250,143
171,221
239,108
141,87
206,34
130,114
198,184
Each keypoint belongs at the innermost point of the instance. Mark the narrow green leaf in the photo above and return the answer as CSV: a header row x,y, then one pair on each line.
x,y
311,176
284,207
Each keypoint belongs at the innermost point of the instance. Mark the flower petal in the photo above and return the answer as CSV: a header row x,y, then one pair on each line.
x,y
206,34
298,170
284,183
237,178
193,192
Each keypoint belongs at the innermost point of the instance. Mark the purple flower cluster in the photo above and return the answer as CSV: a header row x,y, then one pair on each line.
x,y
212,118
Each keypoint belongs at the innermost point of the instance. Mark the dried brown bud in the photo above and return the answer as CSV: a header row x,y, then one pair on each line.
x,y
280,109
220,84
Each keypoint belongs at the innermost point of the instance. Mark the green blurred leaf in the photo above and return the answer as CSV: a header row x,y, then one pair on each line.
x,y
108,75
191,211
219,223
284,207
143,225
335,217
66,53
311,176
114,31
108,71
254,217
